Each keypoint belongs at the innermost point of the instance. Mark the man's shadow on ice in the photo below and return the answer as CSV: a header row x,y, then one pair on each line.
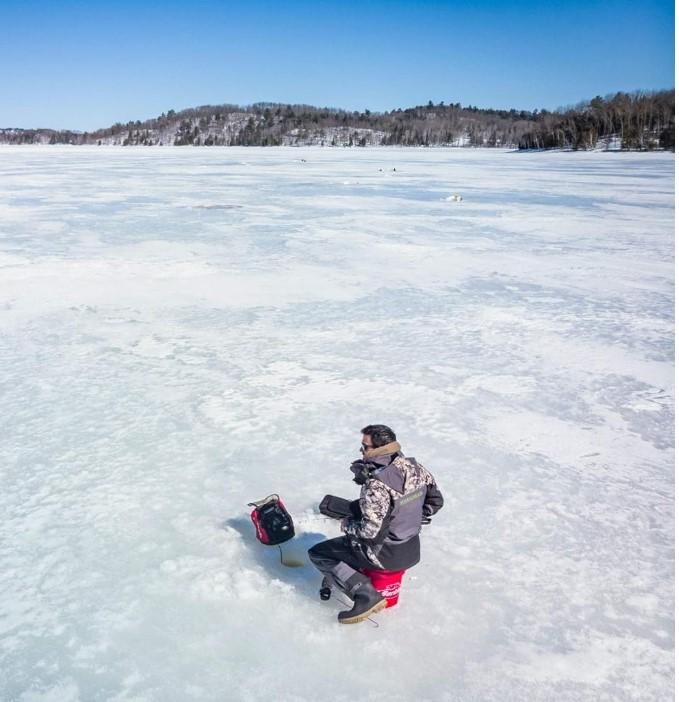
x,y
305,577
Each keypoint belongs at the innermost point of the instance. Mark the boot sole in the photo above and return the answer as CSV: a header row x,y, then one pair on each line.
x,y
362,617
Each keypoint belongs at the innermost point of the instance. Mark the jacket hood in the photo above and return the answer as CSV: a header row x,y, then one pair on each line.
x,y
392,476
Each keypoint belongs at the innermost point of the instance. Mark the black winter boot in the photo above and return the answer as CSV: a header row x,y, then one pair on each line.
x,y
367,601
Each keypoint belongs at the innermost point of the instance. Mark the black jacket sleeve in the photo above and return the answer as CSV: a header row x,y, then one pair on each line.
x,y
433,501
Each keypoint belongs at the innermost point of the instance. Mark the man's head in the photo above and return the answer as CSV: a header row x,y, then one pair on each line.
x,y
375,435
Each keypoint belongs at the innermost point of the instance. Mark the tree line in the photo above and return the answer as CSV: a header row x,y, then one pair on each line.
x,y
639,121
642,120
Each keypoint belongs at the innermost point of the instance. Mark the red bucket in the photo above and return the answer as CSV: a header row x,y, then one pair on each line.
x,y
388,582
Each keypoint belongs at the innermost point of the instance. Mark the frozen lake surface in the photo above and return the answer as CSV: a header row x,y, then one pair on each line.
x,y
183,331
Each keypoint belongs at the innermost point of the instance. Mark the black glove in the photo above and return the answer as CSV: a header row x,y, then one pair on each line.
x,y
361,471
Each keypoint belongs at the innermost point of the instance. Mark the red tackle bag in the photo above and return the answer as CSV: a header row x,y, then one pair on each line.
x,y
272,521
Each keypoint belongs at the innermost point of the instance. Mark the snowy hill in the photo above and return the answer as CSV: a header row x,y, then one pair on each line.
x,y
641,121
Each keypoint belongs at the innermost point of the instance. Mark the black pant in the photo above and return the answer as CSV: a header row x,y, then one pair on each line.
x,y
336,558
340,561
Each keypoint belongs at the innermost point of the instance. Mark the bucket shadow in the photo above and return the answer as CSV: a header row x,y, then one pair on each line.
x,y
305,578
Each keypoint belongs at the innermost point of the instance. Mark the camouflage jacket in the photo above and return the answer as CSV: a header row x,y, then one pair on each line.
x,y
397,494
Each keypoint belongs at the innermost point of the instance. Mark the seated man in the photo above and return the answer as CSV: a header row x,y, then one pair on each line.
x,y
382,528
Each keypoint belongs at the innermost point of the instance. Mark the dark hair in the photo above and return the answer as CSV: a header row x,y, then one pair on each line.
x,y
380,434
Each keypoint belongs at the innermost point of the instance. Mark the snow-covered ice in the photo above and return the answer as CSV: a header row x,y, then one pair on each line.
x,y
185,330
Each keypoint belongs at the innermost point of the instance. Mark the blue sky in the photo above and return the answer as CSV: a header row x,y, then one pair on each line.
x,y
84,65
